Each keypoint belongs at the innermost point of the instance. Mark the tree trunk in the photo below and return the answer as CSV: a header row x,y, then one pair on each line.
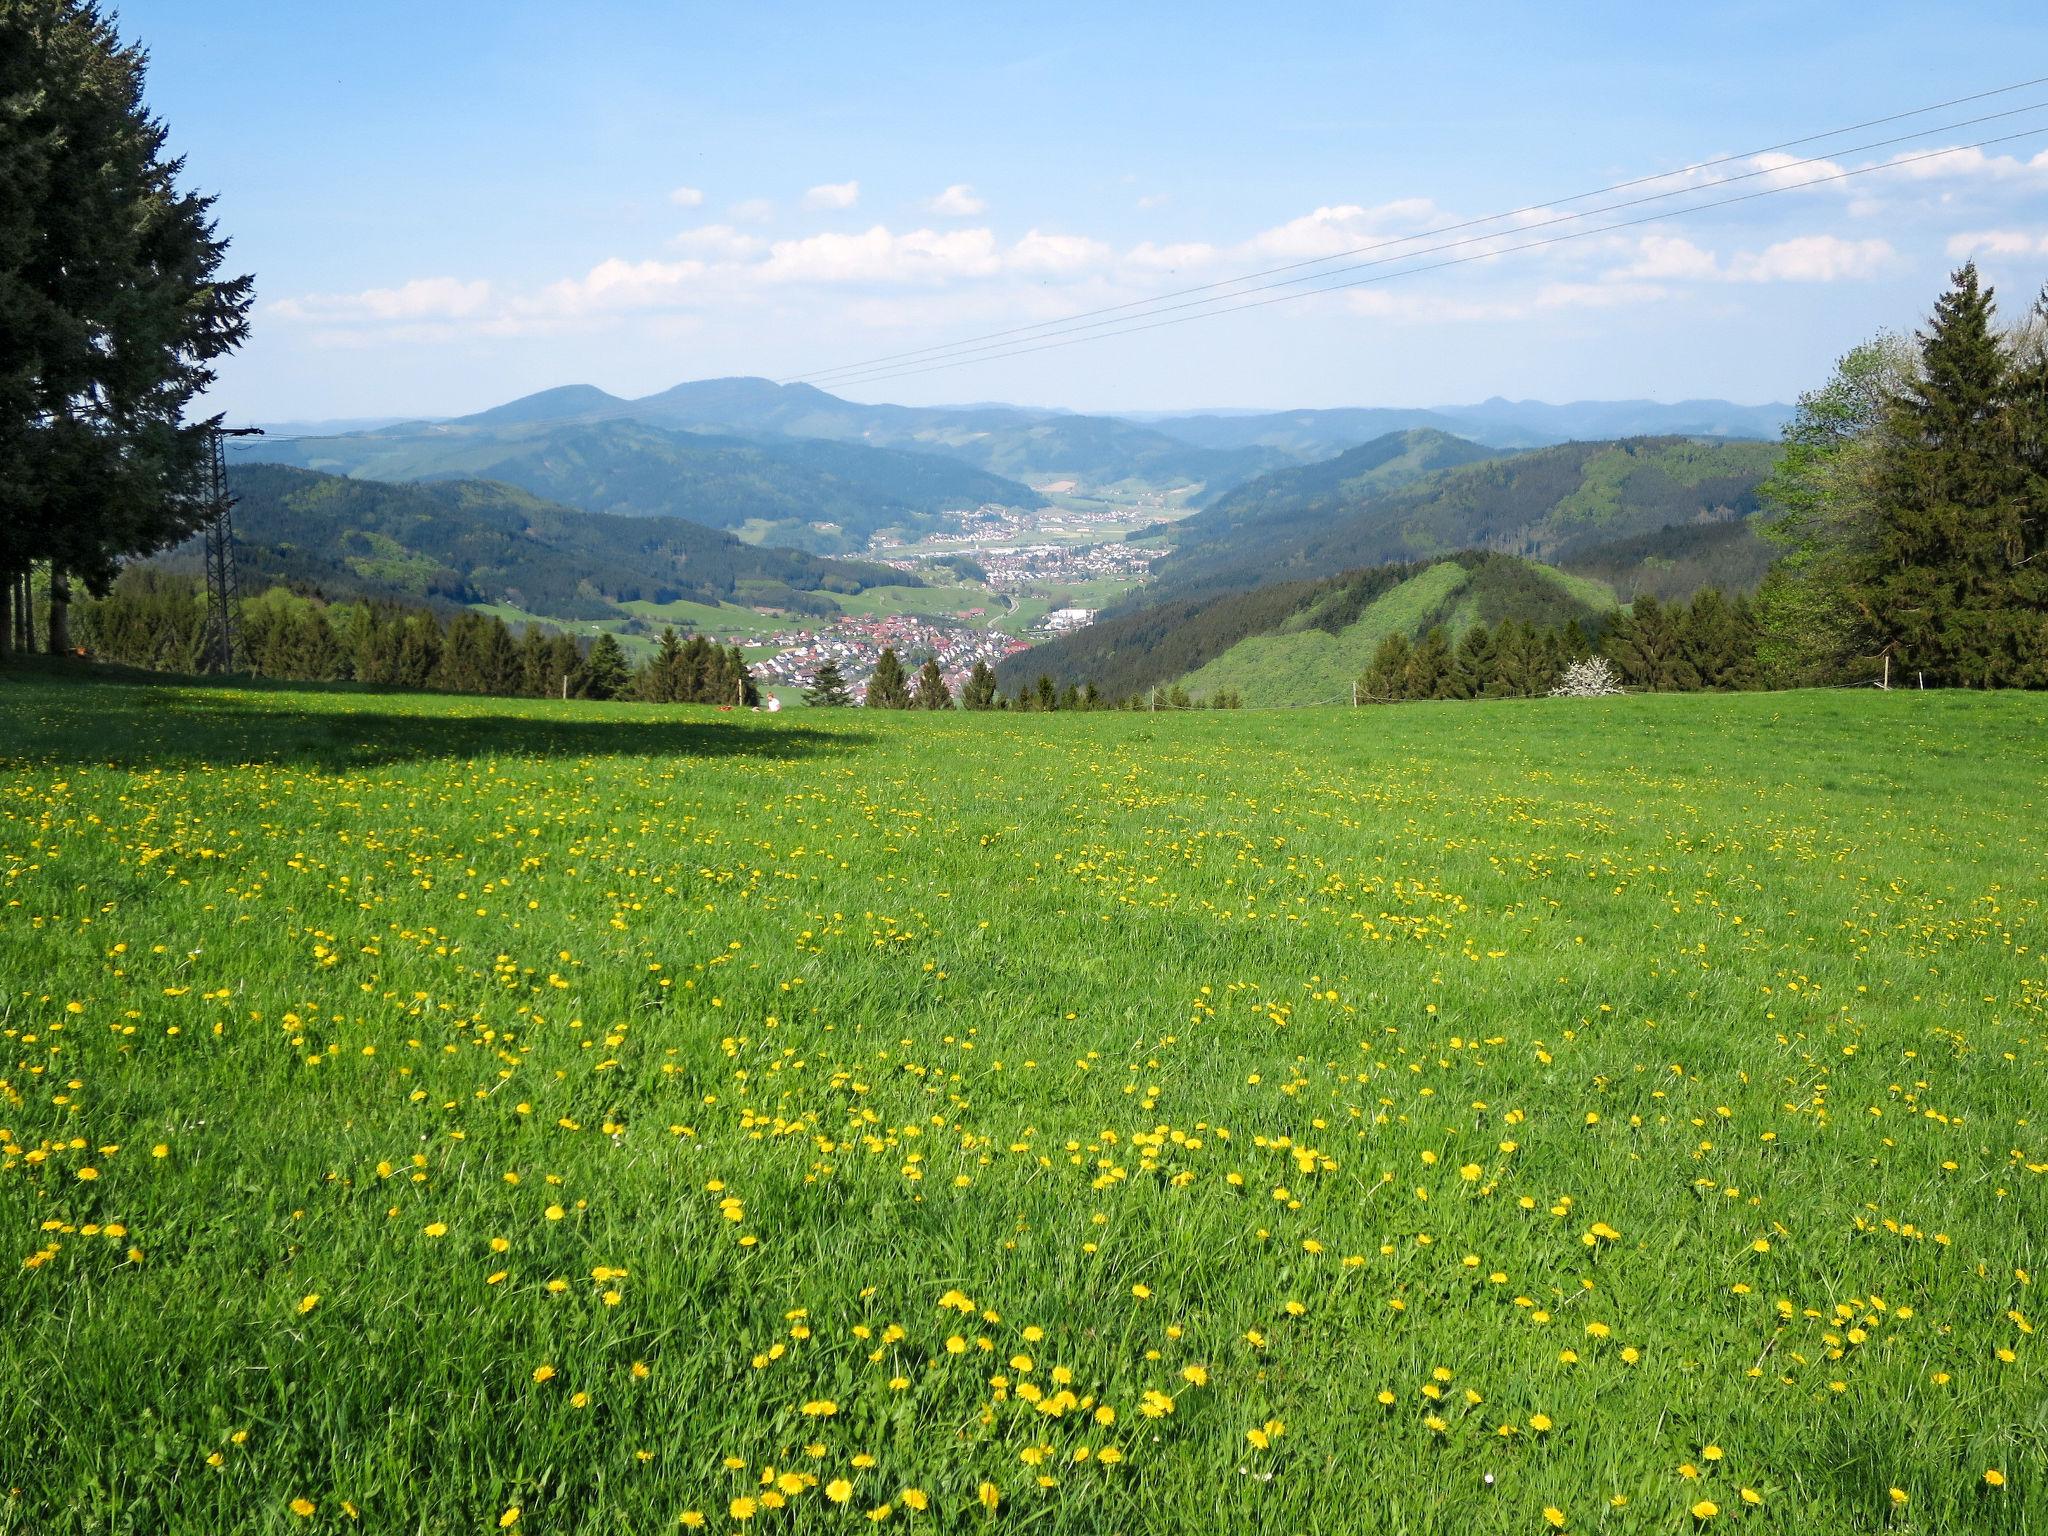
x,y
6,616
60,611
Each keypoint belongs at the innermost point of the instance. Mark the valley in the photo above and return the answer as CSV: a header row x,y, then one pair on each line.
x,y
983,533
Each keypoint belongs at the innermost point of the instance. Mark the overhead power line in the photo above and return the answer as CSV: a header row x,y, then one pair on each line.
x,y
1040,328
1134,323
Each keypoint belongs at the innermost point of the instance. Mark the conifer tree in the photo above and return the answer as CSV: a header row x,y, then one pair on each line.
x,y
1386,675
828,688
932,692
980,691
1428,673
888,688
418,655
1048,696
112,308
1643,644
604,674
1472,664
1952,597
661,680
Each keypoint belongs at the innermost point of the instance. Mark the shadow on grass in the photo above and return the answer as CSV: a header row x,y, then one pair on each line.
x,y
87,717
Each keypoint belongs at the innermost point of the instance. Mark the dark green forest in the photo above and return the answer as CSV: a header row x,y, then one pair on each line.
x,y
1548,504
810,494
468,541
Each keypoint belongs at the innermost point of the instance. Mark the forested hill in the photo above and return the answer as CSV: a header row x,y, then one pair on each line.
x,y
1300,642
1548,503
1386,463
821,496
473,541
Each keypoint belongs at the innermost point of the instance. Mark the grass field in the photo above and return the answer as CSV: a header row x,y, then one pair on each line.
x,y
439,1115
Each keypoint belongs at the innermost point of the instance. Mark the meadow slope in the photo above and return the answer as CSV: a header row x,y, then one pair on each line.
x,y
422,1114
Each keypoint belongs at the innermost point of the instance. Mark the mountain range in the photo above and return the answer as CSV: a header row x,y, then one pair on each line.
x,y
581,444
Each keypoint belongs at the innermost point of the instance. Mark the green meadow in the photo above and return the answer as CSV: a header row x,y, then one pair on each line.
x,y
423,1114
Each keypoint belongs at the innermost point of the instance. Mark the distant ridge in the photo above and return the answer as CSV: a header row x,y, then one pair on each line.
x,y
566,402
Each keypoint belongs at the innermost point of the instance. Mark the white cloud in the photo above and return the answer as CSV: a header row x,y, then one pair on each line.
x,y
687,197
1807,259
877,255
833,194
718,242
755,210
1160,258
424,298
958,202
1812,259
1344,227
1782,170
1998,242
1969,162
1040,252
617,285
1666,257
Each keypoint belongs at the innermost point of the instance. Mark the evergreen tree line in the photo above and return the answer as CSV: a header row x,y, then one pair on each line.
x,y
1914,494
1707,644
157,619
890,687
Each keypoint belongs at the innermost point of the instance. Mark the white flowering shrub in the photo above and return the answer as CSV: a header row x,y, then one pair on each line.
x,y
1592,678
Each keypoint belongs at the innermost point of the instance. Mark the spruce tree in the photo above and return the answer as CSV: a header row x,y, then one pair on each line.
x,y
748,692
932,692
1386,675
418,659
500,669
1949,596
661,680
828,688
1048,694
1644,646
604,674
1473,663
888,688
980,690
1428,674
112,308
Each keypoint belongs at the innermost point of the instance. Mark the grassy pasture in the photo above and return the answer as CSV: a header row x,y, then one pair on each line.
x,y
421,1114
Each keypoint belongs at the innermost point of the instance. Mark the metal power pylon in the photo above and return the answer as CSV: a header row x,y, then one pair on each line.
x,y
223,593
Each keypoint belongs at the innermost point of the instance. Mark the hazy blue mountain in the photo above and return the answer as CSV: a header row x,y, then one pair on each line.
x,y
567,402
1497,423
827,497
1491,420
1036,446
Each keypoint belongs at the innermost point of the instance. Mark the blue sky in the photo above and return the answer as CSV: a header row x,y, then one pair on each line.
x,y
453,203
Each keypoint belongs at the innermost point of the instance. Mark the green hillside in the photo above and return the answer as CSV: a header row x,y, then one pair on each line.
x,y
1549,504
1293,642
825,497
477,542
1307,661
1386,463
